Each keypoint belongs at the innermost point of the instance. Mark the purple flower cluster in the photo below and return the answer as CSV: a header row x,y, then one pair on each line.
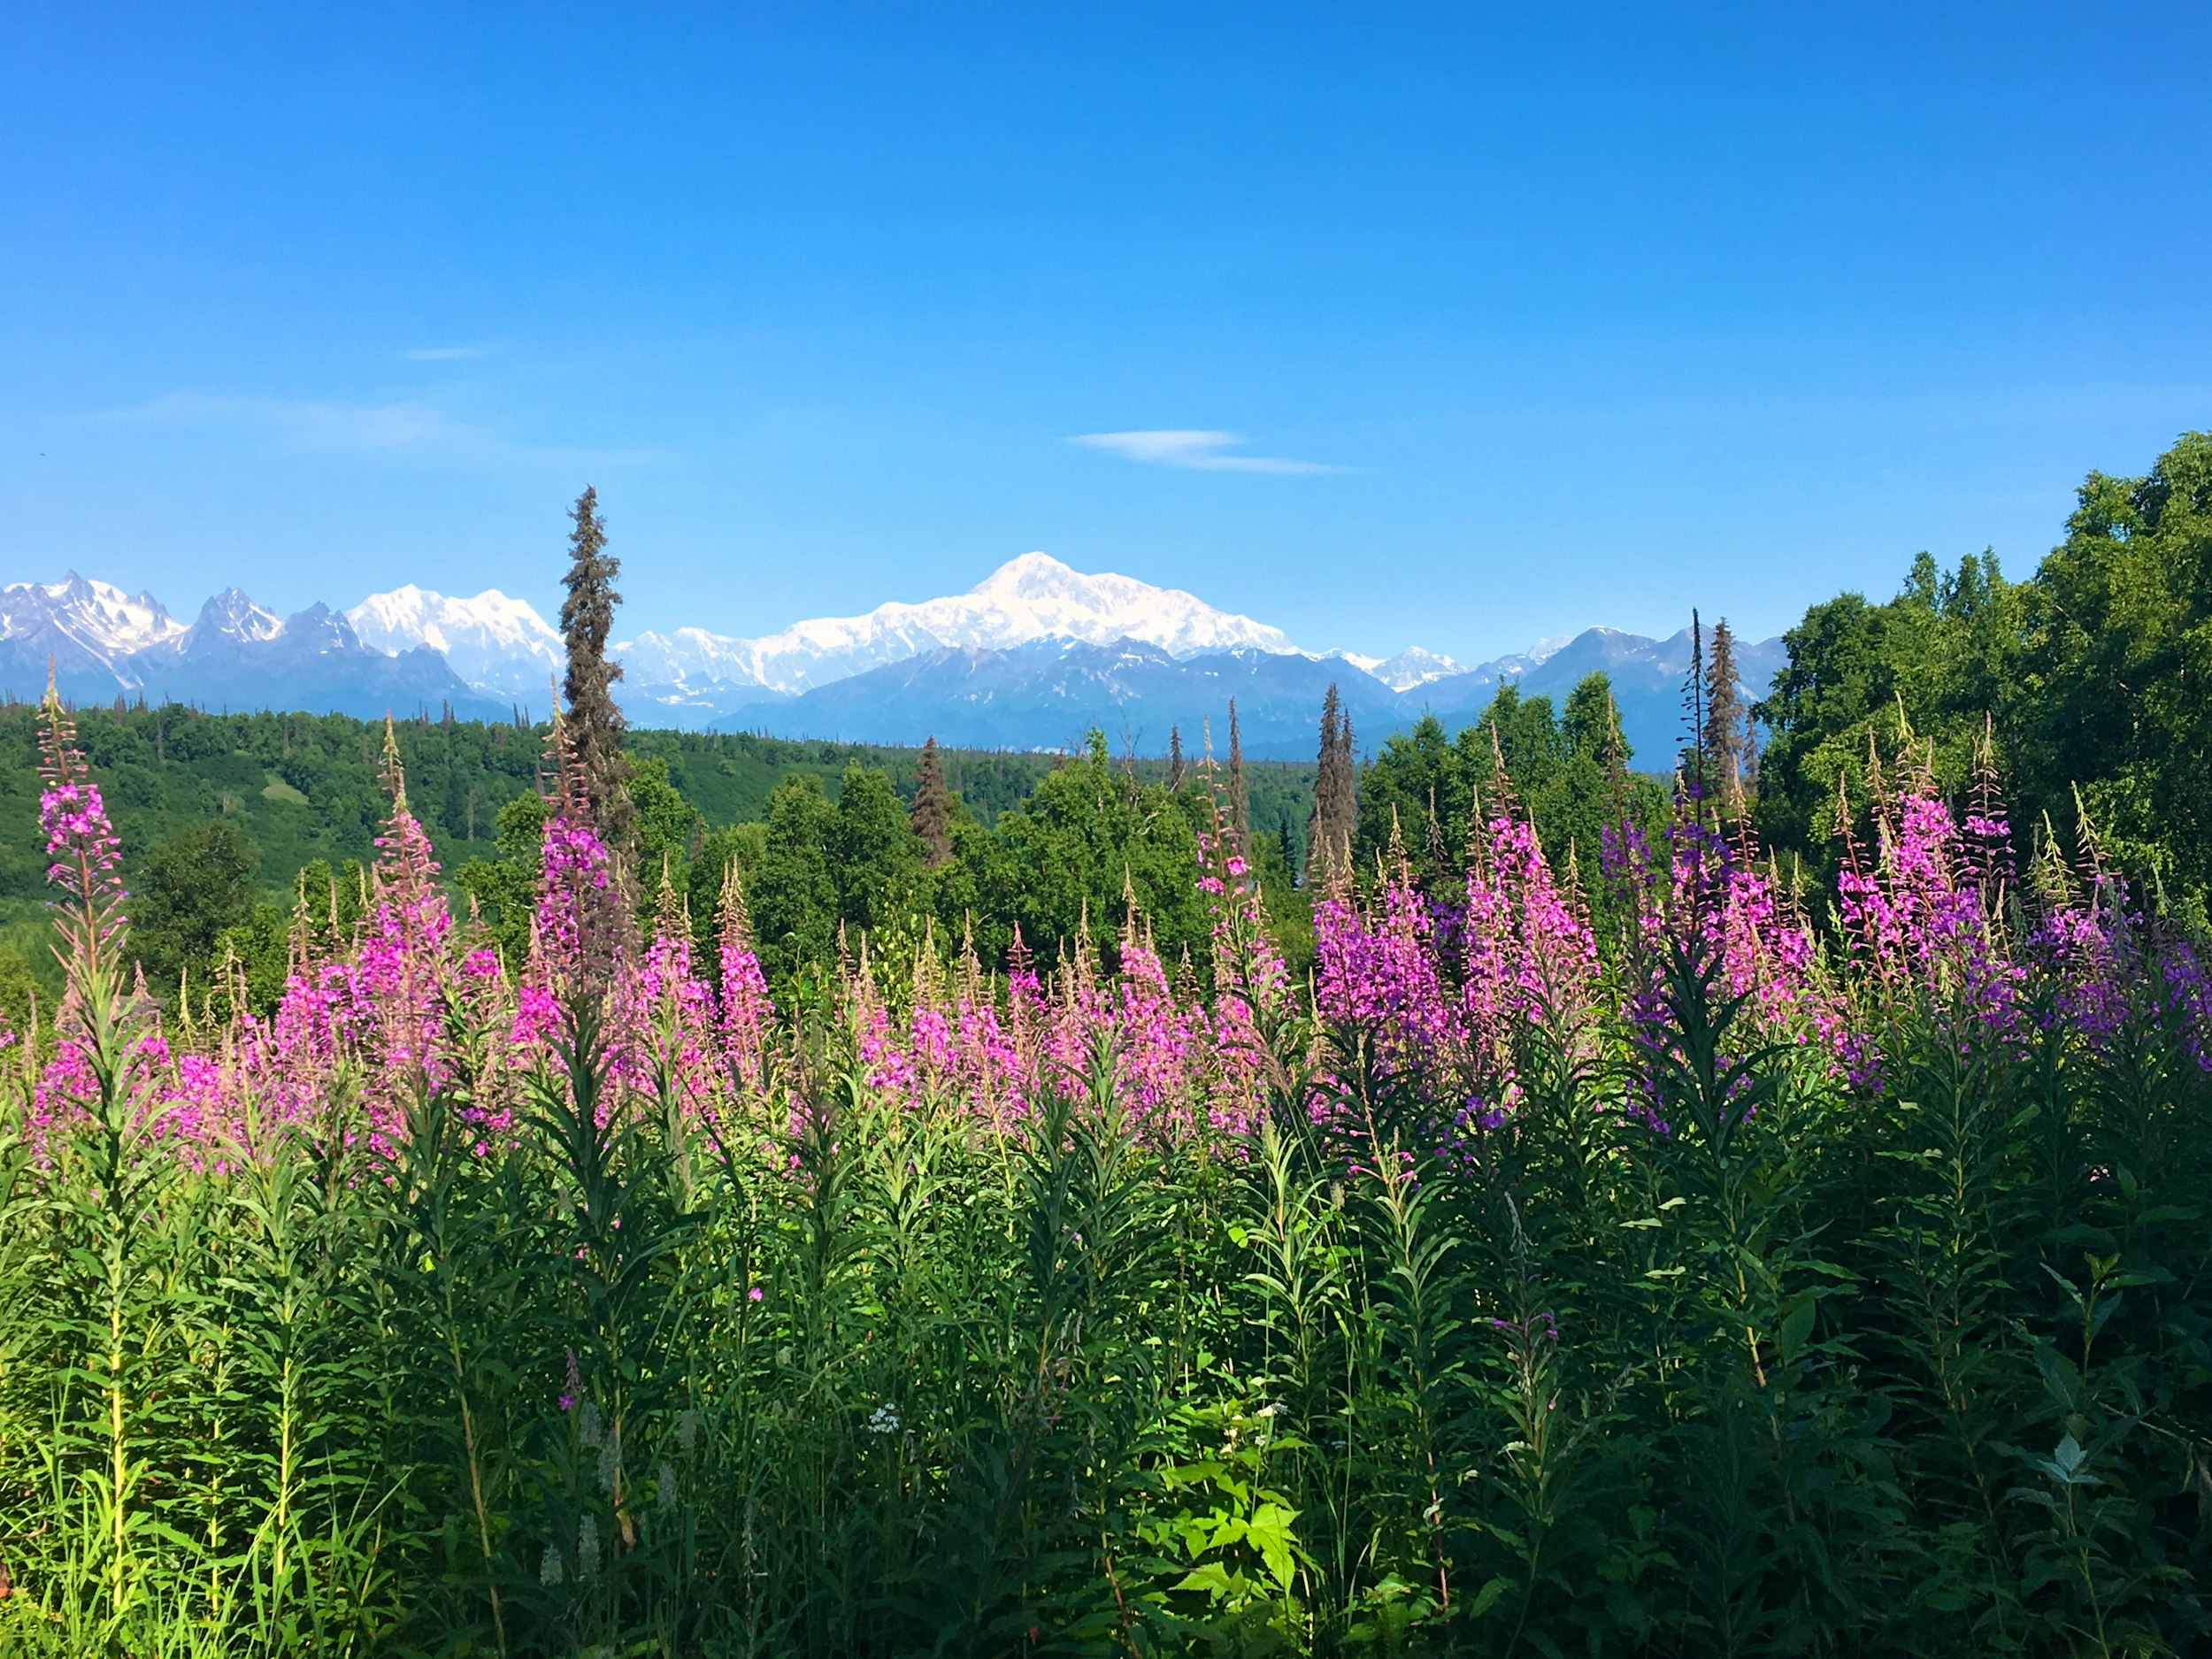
x,y
1443,996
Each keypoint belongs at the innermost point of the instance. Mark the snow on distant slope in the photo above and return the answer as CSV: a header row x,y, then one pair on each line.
x,y
81,625
1414,666
1032,597
494,642
231,618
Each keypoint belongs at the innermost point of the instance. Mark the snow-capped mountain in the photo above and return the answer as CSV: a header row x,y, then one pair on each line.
x,y
237,655
229,624
1644,676
1030,658
84,627
1026,599
1047,693
1413,666
498,644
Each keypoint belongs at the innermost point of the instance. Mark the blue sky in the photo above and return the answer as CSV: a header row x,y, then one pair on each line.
x,y
1567,316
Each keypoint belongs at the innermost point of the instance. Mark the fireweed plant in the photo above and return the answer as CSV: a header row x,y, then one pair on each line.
x,y
1745,1271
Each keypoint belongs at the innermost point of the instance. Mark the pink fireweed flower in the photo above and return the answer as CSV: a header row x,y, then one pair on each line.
x,y
1767,945
1158,1037
1528,953
2188,992
2085,946
83,851
1379,973
576,870
1914,927
1251,986
744,1016
390,994
668,1038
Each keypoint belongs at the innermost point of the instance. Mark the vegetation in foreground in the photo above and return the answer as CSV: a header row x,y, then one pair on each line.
x,y
1650,1275
659,1236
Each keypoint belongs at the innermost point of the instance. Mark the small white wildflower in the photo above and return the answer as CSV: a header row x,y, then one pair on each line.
x,y
549,1568
886,1420
587,1548
610,1461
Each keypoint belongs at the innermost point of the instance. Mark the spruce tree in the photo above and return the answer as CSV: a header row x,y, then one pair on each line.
x,y
1347,797
1691,771
1240,806
1329,839
1727,734
1175,767
595,724
932,817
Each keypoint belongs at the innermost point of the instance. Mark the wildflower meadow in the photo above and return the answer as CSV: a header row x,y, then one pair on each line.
x,y
1664,1257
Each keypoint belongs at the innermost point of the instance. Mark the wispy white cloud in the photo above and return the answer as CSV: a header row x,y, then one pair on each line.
x,y
445,354
309,422
405,427
1196,450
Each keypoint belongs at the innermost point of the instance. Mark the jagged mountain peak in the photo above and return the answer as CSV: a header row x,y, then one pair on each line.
x,y
232,615
84,616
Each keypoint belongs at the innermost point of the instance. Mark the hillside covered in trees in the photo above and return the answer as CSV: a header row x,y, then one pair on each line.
x,y
224,814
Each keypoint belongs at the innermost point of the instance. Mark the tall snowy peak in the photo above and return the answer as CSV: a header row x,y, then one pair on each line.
x,y
494,642
1032,597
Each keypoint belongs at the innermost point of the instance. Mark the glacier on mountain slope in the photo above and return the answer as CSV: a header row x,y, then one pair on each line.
x,y
98,643
1414,666
82,626
496,643
1032,597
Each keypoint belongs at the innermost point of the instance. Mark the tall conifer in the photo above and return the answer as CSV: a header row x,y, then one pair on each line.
x,y
1175,766
1727,725
1239,805
595,724
932,807
1691,770
1329,839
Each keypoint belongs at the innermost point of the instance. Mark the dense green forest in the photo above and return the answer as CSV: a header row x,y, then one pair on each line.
x,y
222,815
2090,682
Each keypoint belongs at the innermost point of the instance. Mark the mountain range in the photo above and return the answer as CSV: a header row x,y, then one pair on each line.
x,y
1030,657
99,642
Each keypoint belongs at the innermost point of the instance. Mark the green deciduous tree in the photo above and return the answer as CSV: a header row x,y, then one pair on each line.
x,y
197,883
876,856
794,898
2114,691
505,888
1066,856
1933,662
666,826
